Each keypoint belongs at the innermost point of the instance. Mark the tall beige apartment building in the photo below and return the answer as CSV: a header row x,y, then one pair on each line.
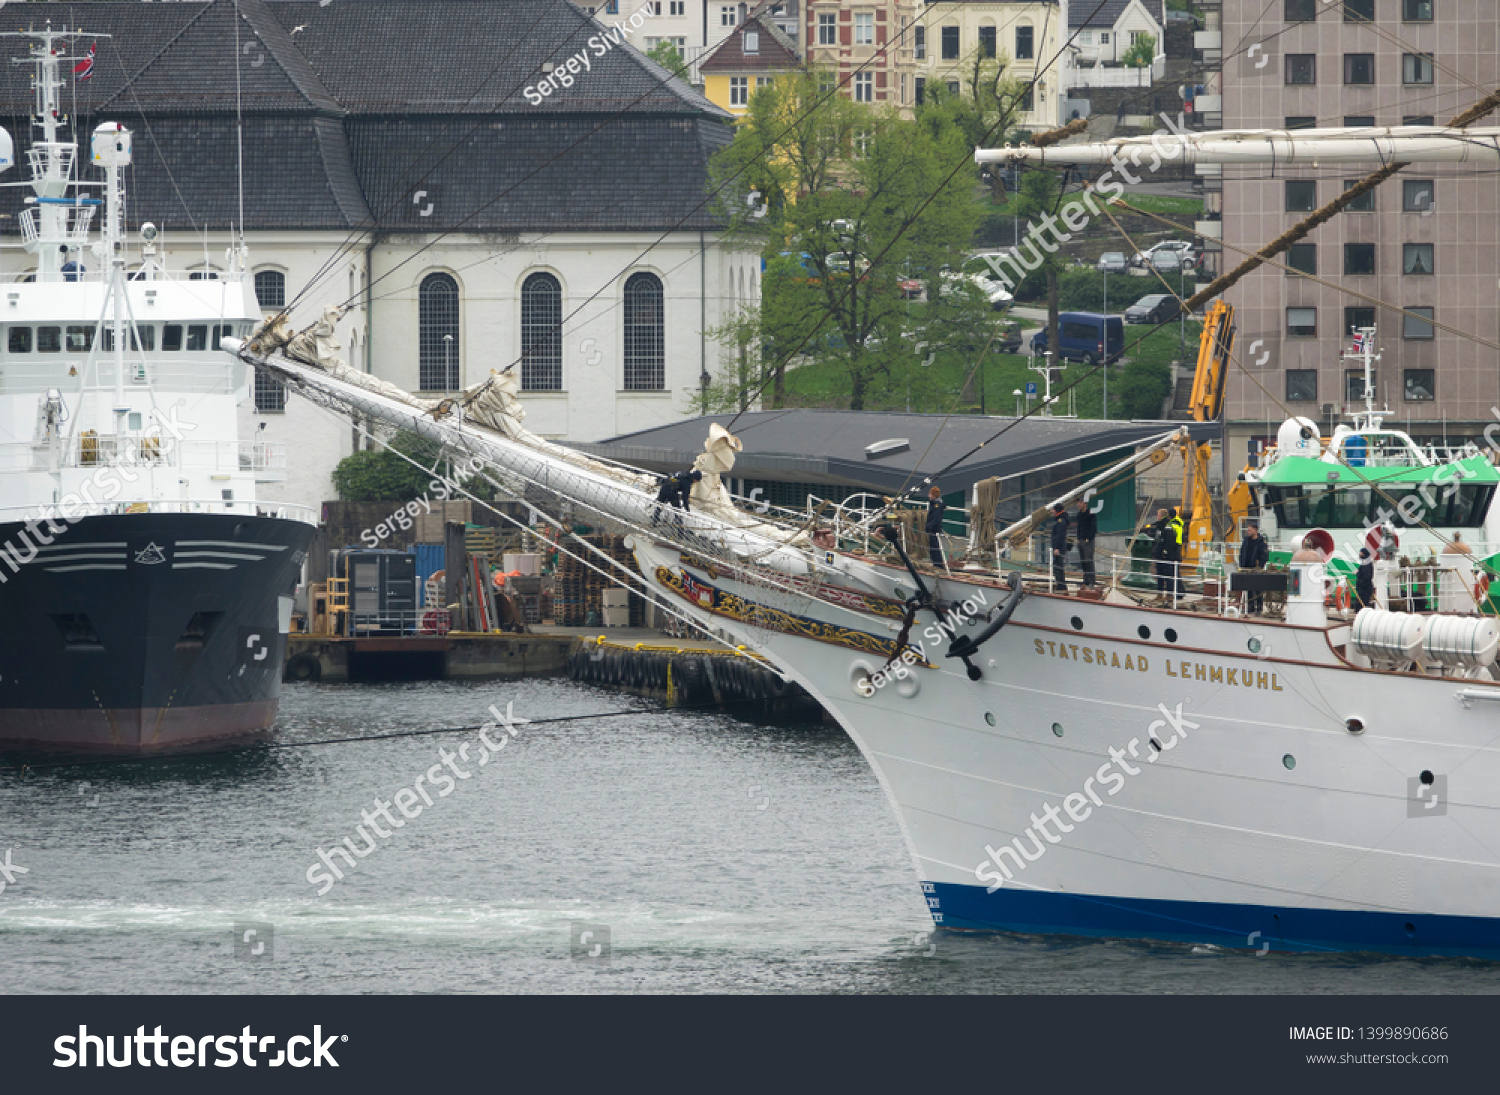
x,y
1426,241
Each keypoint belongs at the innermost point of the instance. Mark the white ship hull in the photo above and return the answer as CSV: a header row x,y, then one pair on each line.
x,y
1217,840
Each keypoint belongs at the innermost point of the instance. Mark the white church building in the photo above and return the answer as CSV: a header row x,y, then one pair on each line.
x,y
394,164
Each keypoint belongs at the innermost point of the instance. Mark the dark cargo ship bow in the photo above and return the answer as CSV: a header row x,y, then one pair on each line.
x,y
131,633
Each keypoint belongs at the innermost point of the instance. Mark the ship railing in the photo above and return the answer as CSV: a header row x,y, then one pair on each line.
x,y
396,622
78,509
91,451
853,519
194,376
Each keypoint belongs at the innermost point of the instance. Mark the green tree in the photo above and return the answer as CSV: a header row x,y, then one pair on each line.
x,y
1144,386
845,200
1039,196
665,54
381,475
1141,52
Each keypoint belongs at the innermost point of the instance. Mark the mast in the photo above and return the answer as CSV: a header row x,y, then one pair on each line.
x,y
1364,351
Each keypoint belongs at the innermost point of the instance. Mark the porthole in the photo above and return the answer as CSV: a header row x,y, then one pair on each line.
x,y
1171,635
1077,623
1354,726
899,593
1057,729
1289,762
1143,631
1253,644
1411,930
989,717
1426,778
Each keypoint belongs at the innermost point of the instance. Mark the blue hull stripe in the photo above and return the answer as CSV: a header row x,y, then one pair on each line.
x,y
1241,927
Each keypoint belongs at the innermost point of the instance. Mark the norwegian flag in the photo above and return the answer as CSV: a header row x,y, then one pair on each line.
x,y
85,68
1359,342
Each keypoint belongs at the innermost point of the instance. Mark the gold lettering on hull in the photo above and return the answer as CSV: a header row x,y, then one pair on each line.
x,y
1139,663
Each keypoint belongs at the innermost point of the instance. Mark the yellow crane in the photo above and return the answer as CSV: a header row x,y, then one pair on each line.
x,y
1207,404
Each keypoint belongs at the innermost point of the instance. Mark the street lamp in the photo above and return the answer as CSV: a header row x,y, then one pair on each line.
x,y
448,376
1106,342
1017,394
1181,313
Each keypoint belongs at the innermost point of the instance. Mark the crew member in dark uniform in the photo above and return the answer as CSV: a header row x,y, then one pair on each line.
x,y
1085,529
1255,553
1364,580
1161,538
934,526
675,491
1059,547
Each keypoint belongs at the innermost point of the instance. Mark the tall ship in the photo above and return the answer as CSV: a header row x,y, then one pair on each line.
x,y
146,594
1318,778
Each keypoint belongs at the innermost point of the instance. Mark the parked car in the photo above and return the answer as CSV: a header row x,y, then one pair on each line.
x,y
1083,337
1167,262
1157,308
1182,249
1112,262
1009,341
989,288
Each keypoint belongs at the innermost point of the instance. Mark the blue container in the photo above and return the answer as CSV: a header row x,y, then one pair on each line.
x,y
430,559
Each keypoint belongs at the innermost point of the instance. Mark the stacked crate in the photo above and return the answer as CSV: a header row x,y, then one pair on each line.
x,y
526,592
578,589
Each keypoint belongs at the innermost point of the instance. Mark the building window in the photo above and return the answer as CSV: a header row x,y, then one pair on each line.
x,y
1365,203
1359,258
828,28
726,16
1417,385
864,28
919,42
863,138
1302,258
1359,68
950,43
270,290
1417,324
903,89
739,90
1302,385
1300,121
1301,11
1104,37
645,334
1416,68
921,86
541,334
1354,385
1302,322
1301,195
864,87
1028,97
1025,50
1359,121
1416,119
1416,258
1357,319
953,87
826,82
987,41
1359,11
612,7
1301,68
677,7
1085,38
1416,195
751,42
1416,11
270,395
437,334
764,81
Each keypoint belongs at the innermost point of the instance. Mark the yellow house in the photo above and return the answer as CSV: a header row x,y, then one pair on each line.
x,y
1029,32
754,55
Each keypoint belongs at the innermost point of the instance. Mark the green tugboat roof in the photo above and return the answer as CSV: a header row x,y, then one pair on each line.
x,y
1291,470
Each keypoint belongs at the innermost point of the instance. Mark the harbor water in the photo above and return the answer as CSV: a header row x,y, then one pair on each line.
x,y
653,851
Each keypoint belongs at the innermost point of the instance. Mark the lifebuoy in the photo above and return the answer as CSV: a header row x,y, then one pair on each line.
x,y
1481,587
1341,597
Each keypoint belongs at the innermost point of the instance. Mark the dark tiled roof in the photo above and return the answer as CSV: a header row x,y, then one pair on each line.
x,y
627,173
351,107
829,446
1081,12
775,51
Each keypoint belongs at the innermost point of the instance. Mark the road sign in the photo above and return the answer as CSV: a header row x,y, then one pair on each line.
x,y
1031,388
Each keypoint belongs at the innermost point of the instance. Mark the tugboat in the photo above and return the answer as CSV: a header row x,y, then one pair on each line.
x,y
145,596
